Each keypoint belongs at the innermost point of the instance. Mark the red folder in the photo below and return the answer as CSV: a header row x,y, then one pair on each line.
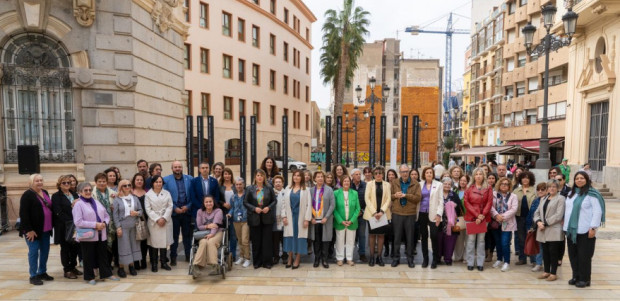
x,y
473,228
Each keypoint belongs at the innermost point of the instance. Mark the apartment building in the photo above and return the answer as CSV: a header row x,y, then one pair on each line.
x,y
251,58
523,83
485,90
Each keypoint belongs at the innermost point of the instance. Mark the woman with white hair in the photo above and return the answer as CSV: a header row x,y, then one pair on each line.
x,y
35,213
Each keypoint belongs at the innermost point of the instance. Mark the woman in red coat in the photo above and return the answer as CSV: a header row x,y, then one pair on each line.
x,y
478,201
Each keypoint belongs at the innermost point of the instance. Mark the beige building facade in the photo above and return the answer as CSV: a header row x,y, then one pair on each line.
x,y
486,80
251,58
592,94
523,83
93,83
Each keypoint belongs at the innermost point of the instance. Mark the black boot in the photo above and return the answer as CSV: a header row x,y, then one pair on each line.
x,y
132,270
371,261
317,261
165,266
154,259
136,265
325,264
410,262
380,261
121,273
143,264
153,267
425,263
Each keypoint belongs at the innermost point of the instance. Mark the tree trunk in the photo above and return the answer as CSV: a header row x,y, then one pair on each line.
x,y
339,89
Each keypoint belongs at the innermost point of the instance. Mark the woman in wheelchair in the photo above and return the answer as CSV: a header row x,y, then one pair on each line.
x,y
209,217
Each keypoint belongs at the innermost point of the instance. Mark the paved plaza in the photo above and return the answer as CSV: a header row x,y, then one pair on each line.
x,y
360,282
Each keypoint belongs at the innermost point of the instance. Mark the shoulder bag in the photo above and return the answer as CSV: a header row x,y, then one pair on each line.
x,y
142,231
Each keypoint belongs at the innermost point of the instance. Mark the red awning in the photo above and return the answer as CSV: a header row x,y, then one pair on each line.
x,y
535,143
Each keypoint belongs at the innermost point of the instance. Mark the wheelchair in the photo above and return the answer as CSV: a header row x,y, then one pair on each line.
x,y
224,256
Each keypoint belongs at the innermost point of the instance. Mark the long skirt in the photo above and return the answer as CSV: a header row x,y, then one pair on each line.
x,y
128,247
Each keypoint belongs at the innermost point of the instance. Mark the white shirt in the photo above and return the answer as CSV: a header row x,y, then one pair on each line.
x,y
589,216
346,204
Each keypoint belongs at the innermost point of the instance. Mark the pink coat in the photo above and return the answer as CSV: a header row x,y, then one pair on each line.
x,y
510,221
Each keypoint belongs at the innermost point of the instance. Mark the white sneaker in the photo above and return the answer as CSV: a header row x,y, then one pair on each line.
x,y
537,268
247,263
239,261
497,264
505,267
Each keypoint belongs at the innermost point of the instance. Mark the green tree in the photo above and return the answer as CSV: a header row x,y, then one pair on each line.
x,y
343,43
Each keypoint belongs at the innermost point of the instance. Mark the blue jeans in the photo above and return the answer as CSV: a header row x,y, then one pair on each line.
x,y
232,238
361,236
502,244
38,251
181,223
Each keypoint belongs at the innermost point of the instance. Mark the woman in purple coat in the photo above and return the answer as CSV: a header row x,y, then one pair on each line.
x,y
89,214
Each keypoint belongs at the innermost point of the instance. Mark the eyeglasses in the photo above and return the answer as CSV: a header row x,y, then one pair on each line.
x,y
404,171
541,189
87,190
378,173
127,186
65,183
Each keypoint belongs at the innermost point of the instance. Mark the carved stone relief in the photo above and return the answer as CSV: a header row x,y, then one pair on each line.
x,y
84,12
162,13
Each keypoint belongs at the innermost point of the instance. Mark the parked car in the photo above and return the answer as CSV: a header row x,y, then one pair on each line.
x,y
292,164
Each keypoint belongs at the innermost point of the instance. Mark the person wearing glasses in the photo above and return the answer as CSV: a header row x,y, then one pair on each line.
x,y
90,214
62,204
322,229
378,203
406,195
430,213
127,210
525,195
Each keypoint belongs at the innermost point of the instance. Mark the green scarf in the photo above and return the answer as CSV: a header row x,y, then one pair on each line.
x,y
573,222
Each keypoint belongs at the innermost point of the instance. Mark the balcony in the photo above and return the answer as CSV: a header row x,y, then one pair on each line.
x,y
517,104
589,10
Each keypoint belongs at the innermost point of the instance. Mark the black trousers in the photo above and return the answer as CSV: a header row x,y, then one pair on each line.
x,y
68,255
158,254
95,254
425,224
580,255
144,247
551,254
262,244
278,244
321,248
403,230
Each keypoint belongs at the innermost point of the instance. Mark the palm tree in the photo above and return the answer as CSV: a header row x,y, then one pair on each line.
x,y
343,42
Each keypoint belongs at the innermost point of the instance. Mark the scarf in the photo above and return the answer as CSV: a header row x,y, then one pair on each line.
x,y
573,221
451,214
93,204
317,203
502,204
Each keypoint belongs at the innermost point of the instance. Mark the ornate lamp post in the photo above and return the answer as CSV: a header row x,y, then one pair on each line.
x,y
385,91
549,43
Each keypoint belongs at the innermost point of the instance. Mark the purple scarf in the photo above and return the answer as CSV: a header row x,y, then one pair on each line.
x,y
93,204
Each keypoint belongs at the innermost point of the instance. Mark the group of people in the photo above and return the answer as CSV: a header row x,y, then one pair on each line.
x,y
465,218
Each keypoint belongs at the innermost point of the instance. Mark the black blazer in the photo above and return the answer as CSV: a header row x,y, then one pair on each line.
x,y
251,203
31,213
62,210
223,197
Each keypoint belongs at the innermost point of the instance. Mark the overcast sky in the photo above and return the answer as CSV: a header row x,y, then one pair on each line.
x,y
388,19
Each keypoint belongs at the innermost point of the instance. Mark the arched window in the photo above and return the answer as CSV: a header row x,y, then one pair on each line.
x,y
232,155
36,98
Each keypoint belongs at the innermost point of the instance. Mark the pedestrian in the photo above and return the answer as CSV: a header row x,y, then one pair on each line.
x,y
138,190
360,234
503,211
459,249
296,214
378,204
158,206
105,195
239,215
345,215
62,205
548,218
271,169
406,195
260,202
565,168
209,217
227,190
127,211
180,188
278,226
525,195
446,238
478,202
321,229
91,217
430,215
203,185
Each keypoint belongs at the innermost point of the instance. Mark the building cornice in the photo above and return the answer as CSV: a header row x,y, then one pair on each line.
x,y
169,21
278,21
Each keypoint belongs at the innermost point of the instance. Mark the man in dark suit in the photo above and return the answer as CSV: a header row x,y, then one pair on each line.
x,y
204,185
179,186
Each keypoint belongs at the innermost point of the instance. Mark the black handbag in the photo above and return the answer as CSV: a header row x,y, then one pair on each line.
x,y
70,232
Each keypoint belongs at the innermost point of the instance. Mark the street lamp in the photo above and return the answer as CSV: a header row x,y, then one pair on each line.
x,y
549,43
385,93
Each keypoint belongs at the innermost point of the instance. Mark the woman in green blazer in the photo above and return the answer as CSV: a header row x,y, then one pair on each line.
x,y
345,220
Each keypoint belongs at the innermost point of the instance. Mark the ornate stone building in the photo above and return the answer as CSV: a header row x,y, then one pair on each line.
x,y
92,83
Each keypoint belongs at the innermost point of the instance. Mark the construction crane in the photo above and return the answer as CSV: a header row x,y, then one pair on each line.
x,y
415,30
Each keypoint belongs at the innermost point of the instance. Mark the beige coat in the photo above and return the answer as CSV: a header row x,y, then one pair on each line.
x,y
159,206
371,200
435,202
305,213
553,219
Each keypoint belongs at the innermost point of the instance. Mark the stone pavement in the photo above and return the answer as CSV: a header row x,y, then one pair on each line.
x,y
360,282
